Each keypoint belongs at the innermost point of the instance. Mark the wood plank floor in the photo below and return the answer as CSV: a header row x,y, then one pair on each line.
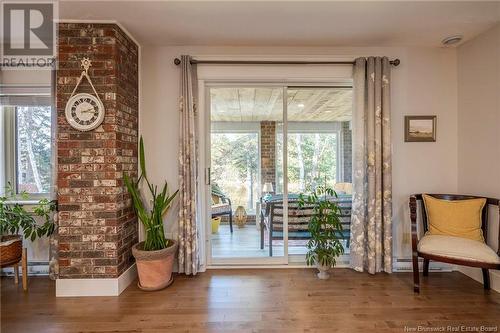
x,y
272,300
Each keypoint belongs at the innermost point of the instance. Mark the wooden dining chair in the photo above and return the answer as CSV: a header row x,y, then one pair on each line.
x,y
450,249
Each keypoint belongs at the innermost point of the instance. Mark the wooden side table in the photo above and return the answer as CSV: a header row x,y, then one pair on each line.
x,y
24,267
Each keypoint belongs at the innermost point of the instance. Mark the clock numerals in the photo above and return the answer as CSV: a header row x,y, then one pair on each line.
x,y
84,112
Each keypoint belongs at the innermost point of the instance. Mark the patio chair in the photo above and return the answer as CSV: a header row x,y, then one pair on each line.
x,y
221,205
449,248
298,220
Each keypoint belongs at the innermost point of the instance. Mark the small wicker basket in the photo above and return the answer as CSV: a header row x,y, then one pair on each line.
x,y
11,249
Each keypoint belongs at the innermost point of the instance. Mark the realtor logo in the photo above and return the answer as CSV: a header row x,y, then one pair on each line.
x,y
28,34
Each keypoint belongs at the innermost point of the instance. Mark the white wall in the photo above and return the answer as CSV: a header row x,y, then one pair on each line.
x,y
479,124
424,83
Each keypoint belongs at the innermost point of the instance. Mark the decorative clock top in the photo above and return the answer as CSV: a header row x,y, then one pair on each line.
x,y
84,111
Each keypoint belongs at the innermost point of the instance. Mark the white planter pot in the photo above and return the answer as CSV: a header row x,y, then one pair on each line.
x,y
323,272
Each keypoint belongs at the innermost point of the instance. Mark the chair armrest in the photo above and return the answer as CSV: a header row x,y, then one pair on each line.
x,y
413,219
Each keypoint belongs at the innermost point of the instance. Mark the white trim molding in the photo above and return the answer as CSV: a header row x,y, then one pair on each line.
x,y
96,287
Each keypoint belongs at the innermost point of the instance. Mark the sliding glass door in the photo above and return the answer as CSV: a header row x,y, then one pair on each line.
x,y
267,144
243,122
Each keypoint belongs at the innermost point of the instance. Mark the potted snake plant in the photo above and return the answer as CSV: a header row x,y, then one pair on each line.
x,y
17,222
154,256
325,228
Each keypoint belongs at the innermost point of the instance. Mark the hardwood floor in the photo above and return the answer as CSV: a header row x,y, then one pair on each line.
x,y
272,300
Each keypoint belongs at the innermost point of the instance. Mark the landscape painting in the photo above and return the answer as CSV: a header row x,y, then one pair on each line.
x,y
420,128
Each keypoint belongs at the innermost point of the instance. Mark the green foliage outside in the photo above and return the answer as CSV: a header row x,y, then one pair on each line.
x,y
34,168
235,164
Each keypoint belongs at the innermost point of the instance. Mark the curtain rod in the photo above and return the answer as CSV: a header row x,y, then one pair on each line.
x,y
177,61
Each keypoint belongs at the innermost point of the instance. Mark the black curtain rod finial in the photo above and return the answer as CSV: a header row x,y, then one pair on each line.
x,y
395,62
177,61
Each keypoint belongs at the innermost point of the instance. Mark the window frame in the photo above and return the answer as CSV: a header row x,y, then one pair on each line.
x,y
10,142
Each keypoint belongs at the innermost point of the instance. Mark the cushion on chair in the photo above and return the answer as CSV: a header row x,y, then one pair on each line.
x,y
457,248
221,208
459,218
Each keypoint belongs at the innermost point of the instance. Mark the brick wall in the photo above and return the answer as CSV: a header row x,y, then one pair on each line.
x,y
97,225
268,152
347,152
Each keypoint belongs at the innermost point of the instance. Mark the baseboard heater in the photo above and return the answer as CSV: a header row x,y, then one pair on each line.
x,y
406,265
35,268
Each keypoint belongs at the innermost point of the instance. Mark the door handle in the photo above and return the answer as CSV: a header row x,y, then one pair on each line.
x,y
207,176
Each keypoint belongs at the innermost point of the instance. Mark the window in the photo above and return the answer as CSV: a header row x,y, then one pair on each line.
x,y
26,144
235,167
33,149
312,160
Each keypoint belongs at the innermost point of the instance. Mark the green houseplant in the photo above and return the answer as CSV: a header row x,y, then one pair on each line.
x,y
16,222
155,255
325,228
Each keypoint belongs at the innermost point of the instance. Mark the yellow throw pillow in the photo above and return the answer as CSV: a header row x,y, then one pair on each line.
x,y
459,218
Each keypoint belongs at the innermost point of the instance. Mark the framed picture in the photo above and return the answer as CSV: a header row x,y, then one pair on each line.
x,y
420,128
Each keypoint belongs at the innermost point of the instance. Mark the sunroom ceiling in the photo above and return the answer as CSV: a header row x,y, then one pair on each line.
x,y
266,104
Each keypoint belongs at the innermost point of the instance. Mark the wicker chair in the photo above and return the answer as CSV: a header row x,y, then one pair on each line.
x,y
448,249
221,205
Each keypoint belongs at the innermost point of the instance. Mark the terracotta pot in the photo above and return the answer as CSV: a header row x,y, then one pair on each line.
x,y
155,267
11,249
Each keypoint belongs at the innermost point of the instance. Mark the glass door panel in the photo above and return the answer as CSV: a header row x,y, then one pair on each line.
x,y
316,154
244,195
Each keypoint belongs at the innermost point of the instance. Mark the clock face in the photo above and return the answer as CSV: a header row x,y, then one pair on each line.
x,y
84,112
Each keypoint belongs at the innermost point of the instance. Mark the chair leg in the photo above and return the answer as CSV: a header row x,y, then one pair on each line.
x,y
270,242
416,281
25,269
486,279
231,221
426,267
261,236
16,273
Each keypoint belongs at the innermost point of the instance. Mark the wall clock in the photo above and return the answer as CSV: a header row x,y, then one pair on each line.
x,y
84,111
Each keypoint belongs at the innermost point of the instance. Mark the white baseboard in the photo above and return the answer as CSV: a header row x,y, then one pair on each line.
x,y
96,287
477,274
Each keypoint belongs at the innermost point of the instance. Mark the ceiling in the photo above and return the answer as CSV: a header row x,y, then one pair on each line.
x,y
266,104
291,23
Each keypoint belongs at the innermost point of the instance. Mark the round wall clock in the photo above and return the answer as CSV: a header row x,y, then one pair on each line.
x,y
84,112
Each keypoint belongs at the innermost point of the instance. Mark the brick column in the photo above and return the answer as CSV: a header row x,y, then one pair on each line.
x,y
97,225
268,152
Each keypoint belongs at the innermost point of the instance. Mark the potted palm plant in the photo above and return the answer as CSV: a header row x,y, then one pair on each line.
x,y
325,228
17,222
154,256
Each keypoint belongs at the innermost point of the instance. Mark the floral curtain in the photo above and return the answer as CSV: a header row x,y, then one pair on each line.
x,y
188,169
371,223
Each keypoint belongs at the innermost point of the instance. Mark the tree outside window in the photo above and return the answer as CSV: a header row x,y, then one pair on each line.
x,y
33,149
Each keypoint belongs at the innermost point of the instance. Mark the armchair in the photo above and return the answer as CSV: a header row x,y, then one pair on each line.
x,y
449,249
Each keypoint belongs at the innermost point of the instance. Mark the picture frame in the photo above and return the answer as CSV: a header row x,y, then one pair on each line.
x,y
420,128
